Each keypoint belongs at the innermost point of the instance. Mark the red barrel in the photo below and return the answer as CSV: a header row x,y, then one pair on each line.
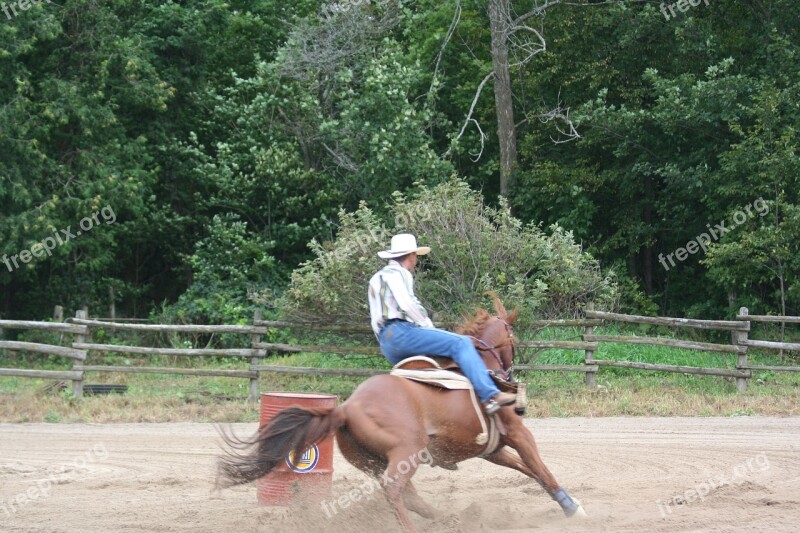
x,y
308,476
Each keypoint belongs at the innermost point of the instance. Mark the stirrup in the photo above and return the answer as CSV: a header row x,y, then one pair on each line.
x,y
491,406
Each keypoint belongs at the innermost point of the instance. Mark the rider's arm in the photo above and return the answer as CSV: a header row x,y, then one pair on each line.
x,y
375,310
403,292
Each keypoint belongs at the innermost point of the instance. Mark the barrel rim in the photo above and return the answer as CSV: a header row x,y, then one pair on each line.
x,y
299,395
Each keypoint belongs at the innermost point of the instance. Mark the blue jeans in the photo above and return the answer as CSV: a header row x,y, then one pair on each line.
x,y
402,339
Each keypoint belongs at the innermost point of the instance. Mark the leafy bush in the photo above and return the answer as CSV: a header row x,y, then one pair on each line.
x,y
475,248
228,266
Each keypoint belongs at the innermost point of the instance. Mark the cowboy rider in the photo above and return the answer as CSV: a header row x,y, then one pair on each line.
x,y
403,328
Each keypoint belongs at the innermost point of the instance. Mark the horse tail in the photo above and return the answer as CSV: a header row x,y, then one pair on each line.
x,y
292,430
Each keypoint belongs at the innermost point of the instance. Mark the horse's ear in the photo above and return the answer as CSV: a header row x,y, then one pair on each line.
x,y
501,309
512,317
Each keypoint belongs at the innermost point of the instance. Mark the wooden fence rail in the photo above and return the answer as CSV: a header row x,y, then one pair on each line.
x,y
738,347
81,347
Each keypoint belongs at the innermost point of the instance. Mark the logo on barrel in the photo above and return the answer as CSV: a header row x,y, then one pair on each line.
x,y
306,462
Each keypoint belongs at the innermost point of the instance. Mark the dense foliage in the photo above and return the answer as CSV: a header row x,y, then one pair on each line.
x,y
227,135
475,248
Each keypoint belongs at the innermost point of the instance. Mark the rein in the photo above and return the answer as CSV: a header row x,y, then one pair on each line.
x,y
504,372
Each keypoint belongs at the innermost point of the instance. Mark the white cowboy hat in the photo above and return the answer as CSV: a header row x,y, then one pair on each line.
x,y
402,244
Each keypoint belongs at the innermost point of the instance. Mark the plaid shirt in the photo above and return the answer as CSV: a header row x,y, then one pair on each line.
x,y
391,295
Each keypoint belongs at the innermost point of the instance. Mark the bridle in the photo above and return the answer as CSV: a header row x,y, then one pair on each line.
x,y
504,372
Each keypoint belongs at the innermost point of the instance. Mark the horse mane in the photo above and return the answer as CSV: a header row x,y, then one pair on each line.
x,y
475,325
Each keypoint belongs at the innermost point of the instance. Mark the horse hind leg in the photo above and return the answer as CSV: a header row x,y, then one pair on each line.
x,y
374,465
415,502
357,455
396,480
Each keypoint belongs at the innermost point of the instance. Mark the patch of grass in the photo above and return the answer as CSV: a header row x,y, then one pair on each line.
x,y
639,353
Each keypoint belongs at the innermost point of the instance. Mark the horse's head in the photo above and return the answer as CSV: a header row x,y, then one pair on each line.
x,y
494,336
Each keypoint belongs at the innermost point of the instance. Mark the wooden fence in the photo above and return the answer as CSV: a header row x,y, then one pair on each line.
x,y
738,329
81,329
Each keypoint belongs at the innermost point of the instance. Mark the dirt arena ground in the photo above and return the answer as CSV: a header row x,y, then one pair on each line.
x,y
632,474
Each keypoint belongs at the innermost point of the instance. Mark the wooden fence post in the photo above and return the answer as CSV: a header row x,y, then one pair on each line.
x,y
112,306
77,384
589,377
738,338
254,361
58,316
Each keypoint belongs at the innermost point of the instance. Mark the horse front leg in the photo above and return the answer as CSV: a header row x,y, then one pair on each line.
x,y
530,462
509,459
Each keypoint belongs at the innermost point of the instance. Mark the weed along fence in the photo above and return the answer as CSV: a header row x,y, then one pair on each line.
x,y
79,334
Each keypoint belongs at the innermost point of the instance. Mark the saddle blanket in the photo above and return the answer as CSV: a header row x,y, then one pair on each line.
x,y
443,378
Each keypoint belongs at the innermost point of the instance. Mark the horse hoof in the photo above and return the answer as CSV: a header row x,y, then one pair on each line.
x,y
579,513
571,506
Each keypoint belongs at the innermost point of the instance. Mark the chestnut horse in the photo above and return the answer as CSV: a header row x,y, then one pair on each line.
x,y
388,420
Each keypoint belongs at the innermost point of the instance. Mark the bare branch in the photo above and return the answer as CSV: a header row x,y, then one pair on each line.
x,y
527,47
342,160
315,55
453,25
568,131
469,115
535,12
320,50
483,139
524,43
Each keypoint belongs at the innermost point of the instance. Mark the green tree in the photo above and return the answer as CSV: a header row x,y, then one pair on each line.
x,y
231,268
758,264
659,105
